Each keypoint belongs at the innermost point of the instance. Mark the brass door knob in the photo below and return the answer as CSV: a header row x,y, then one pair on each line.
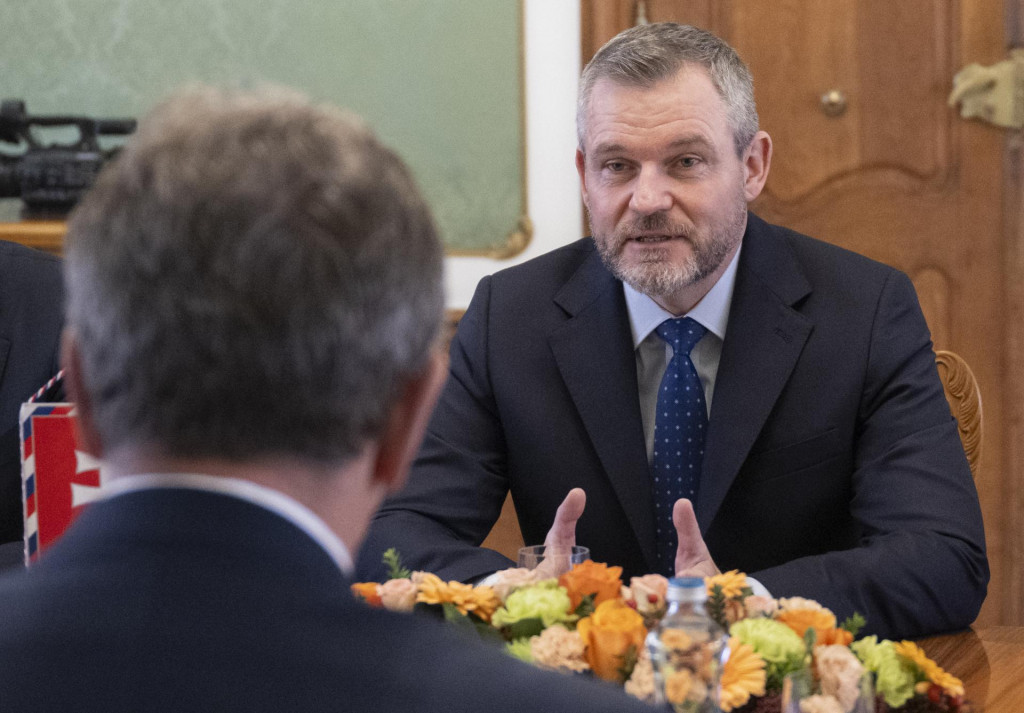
x,y
833,102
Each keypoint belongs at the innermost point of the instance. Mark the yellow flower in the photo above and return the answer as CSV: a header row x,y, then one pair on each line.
x,y
952,685
481,601
732,583
677,686
676,639
743,676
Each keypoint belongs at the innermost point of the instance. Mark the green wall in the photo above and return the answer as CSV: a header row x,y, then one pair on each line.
x,y
439,79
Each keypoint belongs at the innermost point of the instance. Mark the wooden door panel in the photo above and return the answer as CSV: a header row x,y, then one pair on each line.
x,y
889,80
897,176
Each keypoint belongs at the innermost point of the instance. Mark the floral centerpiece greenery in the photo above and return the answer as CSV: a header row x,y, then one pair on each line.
x,y
587,620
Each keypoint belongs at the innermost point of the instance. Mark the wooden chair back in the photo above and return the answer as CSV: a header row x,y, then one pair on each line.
x,y
964,399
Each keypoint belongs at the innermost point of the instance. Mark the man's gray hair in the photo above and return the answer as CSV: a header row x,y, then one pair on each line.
x,y
646,54
252,276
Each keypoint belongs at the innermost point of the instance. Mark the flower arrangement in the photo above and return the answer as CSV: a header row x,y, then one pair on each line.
x,y
587,620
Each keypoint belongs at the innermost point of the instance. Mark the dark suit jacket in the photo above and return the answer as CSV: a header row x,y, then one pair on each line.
x,y
31,315
175,600
832,468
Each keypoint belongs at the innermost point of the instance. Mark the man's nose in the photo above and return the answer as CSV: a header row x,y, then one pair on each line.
x,y
651,192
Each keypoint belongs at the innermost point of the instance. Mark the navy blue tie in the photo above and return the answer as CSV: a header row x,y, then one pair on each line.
x,y
679,426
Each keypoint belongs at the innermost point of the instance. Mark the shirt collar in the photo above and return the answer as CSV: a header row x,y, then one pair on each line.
x,y
712,311
259,495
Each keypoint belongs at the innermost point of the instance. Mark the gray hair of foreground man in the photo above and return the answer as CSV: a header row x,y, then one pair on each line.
x,y
646,54
252,276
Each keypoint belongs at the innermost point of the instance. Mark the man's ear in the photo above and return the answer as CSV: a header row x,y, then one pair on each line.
x,y
407,422
74,384
757,160
581,168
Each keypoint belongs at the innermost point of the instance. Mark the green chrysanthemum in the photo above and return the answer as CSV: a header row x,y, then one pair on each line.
x,y
894,677
520,649
782,650
545,601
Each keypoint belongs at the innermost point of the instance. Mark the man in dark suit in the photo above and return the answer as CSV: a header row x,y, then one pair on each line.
x,y
821,457
254,301
31,314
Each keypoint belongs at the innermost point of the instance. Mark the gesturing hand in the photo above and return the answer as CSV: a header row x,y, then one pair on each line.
x,y
562,536
563,531
692,556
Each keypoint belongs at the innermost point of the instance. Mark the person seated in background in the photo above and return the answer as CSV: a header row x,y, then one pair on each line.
x,y
694,389
254,299
31,315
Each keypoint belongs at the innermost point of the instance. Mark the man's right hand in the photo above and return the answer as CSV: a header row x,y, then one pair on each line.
x,y
562,535
563,531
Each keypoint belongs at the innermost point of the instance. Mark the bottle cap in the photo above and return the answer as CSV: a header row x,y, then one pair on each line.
x,y
686,589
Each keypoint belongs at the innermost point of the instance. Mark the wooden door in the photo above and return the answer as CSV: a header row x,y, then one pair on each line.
x,y
886,168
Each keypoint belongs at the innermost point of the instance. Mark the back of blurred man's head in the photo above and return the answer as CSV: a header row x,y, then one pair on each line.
x,y
253,276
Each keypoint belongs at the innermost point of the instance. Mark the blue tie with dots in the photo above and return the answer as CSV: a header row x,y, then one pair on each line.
x,y
679,426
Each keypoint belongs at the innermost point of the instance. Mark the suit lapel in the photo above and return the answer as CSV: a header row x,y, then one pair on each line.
x,y
763,341
594,353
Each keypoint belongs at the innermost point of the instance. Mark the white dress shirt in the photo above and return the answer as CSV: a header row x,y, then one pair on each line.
x,y
267,498
653,353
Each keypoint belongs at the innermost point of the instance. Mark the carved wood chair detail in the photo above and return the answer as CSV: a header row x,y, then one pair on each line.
x,y
964,399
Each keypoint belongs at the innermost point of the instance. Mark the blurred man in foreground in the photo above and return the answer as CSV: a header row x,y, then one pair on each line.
x,y
254,295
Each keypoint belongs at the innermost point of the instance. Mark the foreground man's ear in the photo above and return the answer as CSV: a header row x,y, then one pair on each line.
x,y
407,422
75,386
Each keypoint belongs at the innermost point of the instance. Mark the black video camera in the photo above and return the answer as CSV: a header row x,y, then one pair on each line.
x,y
50,179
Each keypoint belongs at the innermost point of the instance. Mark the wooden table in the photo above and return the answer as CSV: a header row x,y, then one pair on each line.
x,y
990,662
45,235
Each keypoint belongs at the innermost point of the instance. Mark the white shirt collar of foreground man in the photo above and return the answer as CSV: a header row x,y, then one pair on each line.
x,y
259,495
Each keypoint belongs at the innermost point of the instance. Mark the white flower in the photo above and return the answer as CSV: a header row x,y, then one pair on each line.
x,y
800,603
398,594
757,605
558,648
641,682
820,704
840,672
648,592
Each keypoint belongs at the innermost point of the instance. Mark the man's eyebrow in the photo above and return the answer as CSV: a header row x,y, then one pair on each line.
x,y
605,149
694,141
698,141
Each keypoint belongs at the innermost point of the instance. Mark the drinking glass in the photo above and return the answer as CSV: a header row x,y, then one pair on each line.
x,y
799,688
553,560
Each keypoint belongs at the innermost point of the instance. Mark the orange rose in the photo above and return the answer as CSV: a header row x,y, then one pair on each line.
x,y
821,620
369,592
834,636
609,633
595,578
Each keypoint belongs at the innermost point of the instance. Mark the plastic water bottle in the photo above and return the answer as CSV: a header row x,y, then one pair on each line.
x,y
687,650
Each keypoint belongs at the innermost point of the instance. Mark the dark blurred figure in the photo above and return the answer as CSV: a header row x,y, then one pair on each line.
x,y
31,306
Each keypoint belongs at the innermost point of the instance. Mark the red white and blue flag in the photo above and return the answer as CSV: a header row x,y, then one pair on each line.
x,y
57,478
